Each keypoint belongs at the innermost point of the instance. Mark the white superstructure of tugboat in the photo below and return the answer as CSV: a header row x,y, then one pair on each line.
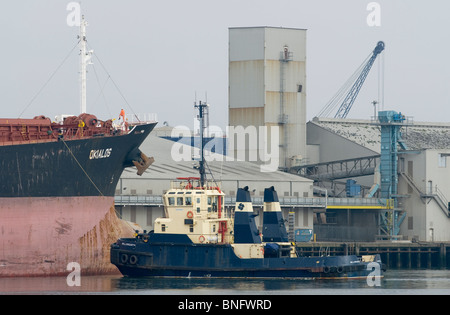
x,y
195,211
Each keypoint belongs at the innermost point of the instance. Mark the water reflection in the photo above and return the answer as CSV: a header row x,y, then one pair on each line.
x,y
422,281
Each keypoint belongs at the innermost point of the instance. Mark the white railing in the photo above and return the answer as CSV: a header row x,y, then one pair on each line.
x,y
311,202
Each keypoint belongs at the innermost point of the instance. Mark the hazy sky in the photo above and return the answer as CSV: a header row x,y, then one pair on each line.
x,y
160,53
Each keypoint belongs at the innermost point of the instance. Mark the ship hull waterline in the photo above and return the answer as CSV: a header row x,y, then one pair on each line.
x,y
58,231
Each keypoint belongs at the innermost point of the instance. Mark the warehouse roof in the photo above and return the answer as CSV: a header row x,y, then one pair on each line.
x,y
166,166
417,135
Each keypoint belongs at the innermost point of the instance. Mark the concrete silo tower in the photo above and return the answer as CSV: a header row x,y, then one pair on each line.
x,y
267,87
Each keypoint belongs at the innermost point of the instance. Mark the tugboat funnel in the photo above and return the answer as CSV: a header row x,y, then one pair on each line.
x,y
274,229
245,230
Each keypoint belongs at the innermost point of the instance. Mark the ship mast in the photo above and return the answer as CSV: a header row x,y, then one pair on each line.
x,y
85,57
201,110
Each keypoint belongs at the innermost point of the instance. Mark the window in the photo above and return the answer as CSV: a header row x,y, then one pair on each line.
x,y
442,160
171,201
180,201
188,201
163,227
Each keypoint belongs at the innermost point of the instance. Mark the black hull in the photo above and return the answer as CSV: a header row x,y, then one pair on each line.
x,y
85,167
135,258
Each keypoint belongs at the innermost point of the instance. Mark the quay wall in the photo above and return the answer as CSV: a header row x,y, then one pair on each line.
x,y
396,255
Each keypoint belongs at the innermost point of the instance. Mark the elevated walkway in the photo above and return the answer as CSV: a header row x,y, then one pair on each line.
x,y
311,202
339,169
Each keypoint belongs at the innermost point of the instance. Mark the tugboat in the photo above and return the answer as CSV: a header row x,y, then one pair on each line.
x,y
197,237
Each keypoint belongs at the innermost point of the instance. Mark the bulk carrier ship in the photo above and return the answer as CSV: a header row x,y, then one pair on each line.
x,y
57,185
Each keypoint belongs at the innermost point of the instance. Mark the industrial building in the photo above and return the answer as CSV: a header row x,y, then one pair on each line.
x,y
423,174
343,179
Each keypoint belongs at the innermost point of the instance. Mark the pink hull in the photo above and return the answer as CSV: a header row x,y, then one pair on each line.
x,y
41,236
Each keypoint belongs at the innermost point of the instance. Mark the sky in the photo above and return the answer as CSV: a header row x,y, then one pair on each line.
x,y
162,56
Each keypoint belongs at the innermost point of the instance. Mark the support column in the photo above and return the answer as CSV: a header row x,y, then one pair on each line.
x,y
442,256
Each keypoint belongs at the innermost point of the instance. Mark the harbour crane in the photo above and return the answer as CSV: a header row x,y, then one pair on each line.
x,y
357,79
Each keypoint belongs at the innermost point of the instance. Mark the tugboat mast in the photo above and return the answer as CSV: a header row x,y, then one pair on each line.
x,y
201,106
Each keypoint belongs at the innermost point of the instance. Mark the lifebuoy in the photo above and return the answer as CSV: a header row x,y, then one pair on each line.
x,y
133,259
340,269
190,214
326,269
201,238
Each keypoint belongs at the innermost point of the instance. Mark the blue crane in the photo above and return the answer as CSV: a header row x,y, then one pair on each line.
x,y
360,75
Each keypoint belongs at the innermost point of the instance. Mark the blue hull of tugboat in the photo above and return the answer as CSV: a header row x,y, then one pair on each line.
x,y
177,256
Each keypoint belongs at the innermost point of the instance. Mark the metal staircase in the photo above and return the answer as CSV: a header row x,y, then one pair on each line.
x,y
435,194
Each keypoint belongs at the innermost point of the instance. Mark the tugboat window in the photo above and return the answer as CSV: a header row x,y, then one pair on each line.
x,y
188,201
171,201
163,227
179,201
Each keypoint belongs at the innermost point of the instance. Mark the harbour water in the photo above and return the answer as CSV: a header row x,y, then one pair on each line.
x,y
403,281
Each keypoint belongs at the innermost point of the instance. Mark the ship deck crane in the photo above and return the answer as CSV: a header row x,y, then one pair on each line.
x,y
356,81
